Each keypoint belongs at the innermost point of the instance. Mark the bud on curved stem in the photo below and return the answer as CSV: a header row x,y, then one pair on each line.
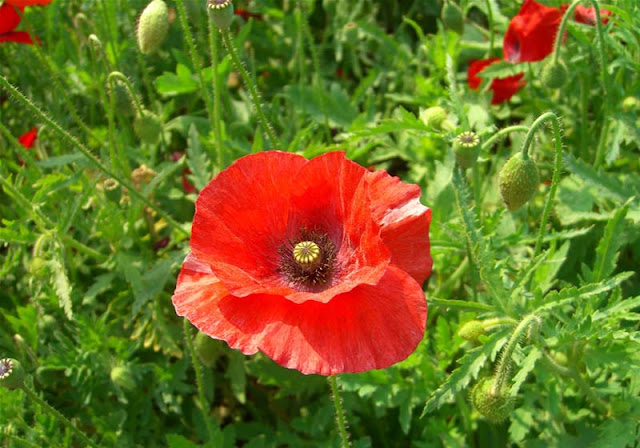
x,y
117,81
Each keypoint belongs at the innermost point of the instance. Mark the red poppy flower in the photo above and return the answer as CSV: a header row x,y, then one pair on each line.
x,y
317,263
587,15
9,20
531,33
187,186
246,15
28,139
503,88
23,3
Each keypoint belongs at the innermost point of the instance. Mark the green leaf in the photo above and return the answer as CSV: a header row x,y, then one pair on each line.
x,y
610,243
197,159
619,310
603,182
237,376
470,365
181,82
615,433
333,105
61,285
527,366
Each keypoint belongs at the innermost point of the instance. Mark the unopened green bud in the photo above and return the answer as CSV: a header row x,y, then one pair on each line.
x,y
37,266
208,349
221,13
631,104
122,377
471,330
554,74
519,180
153,26
434,117
11,373
494,405
123,103
147,127
466,147
452,17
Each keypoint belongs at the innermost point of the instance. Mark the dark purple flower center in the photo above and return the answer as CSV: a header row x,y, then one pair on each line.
x,y
308,261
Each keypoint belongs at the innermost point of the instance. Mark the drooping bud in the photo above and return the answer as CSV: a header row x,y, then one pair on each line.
x,y
221,12
208,349
123,103
466,147
123,377
452,17
471,330
434,117
631,104
11,373
519,180
153,26
494,405
554,74
147,127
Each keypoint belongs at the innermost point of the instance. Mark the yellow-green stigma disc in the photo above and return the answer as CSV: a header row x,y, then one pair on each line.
x,y
306,253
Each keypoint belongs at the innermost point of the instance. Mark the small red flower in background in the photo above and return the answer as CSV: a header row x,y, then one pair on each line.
x,y
587,15
23,3
10,16
317,263
28,139
246,15
503,88
531,33
187,186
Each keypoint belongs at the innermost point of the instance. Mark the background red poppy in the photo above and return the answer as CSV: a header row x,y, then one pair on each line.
x,y
503,88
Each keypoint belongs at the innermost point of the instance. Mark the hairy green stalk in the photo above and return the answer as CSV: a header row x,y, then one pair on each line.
x,y
111,79
340,416
217,114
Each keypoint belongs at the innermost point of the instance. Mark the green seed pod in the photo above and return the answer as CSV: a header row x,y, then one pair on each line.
x,y
123,377
631,104
554,74
11,373
494,405
519,180
208,349
466,147
147,127
221,12
434,117
123,103
452,17
153,26
471,330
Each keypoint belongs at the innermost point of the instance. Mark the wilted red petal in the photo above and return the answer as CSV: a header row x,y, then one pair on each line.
x,y
503,88
187,186
246,15
23,3
371,327
531,33
28,139
9,18
587,15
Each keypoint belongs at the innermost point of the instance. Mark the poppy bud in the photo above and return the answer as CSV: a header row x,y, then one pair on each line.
x,y
471,330
11,373
519,179
452,17
153,26
554,74
37,267
494,405
95,42
436,118
466,147
123,102
221,12
123,377
631,104
207,349
147,127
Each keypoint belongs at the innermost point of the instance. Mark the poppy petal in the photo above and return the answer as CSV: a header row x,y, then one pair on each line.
x,y
28,139
503,88
368,328
9,18
531,33
21,37
23,3
404,223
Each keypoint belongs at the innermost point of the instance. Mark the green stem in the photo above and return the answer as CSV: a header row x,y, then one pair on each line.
x,y
340,417
132,94
557,168
217,116
588,391
64,420
491,28
231,48
28,104
193,53
145,78
204,404
504,365
20,440
501,134
462,304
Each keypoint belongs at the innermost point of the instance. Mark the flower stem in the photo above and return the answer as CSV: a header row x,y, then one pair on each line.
x,y
501,134
340,417
132,94
216,118
557,168
228,42
204,404
491,32
64,420
36,111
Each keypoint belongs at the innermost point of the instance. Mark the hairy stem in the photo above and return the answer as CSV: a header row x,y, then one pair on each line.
x,y
215,119
340,416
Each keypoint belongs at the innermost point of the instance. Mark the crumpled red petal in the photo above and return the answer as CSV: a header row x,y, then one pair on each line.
x,y
9,18
531,33
371,327
28,139
503,88
587,15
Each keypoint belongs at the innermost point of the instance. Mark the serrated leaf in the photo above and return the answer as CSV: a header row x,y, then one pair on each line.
x,y
172,84
616,433
470,365
527,366
61,285
521,423
603,182
610,243
197,159
622,308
